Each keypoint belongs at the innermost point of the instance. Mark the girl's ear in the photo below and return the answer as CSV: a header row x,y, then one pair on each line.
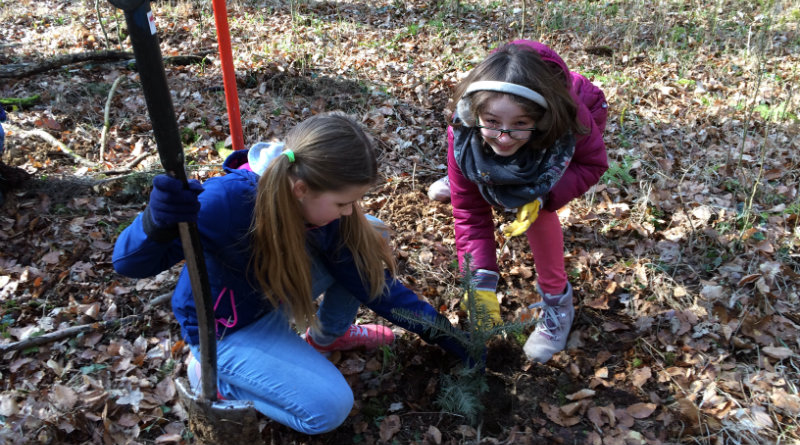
x,y
299,189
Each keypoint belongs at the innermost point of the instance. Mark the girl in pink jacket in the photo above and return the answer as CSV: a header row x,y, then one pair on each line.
x,y
526,135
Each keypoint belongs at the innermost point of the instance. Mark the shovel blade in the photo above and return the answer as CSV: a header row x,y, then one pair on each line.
x,y
222,421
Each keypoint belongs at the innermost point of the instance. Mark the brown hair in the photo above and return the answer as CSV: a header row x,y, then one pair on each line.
x,y
521,65
331,153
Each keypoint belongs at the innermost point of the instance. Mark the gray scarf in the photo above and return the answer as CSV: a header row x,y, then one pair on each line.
x,y
512,181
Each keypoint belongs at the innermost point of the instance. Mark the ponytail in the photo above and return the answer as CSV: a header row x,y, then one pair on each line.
x,y
281,267
330,153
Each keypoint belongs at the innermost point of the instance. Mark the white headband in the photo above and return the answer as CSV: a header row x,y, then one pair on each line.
x,y
505,87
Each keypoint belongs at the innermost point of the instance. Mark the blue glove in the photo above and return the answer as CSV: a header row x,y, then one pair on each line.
x,y
170,204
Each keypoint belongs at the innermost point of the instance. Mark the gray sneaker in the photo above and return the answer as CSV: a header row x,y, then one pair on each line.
x,y
552,330
440,190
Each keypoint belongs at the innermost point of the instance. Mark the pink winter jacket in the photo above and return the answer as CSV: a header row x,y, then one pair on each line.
x,y
474,224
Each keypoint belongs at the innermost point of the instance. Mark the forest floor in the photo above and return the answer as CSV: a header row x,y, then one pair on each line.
x,y
685,258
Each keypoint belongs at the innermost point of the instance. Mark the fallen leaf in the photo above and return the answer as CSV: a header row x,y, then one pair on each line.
x,y
466,431
434,434
754,418
624,419
748,279
522,271
711,292
600,303
52,257
582,394
600,415
389,427
785,401
640,376
352,366
91,310
601,357
612,326
556,416
8,405
778,352
425,256
133,398
66,426
63,397
169,438
165,391
641,410
571,408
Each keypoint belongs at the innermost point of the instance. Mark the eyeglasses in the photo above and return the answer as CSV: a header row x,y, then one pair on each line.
x,y
494,133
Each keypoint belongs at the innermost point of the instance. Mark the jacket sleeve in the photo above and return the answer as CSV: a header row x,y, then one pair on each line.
x,y
138,256
588,164
342,267
591,96
472,216
397,296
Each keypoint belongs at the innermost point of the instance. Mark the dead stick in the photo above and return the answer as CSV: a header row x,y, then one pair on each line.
x,y
65,333
127,168
49,138
75,330
106,122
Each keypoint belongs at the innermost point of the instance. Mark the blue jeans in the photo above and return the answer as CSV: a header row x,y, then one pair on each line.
x,y
287,379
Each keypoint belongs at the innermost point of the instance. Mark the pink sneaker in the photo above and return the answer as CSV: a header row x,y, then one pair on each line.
x,y
365,336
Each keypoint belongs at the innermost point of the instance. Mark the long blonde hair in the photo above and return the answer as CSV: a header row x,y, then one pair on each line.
x,y
331,153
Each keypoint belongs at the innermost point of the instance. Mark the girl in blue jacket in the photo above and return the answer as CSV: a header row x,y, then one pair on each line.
x,y
283,226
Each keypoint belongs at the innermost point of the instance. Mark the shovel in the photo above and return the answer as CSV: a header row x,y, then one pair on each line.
x,y
213,421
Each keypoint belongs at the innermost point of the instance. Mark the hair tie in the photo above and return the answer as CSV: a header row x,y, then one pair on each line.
x,y
289,154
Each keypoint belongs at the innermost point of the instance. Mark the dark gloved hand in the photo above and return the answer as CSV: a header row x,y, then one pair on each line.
x,y
171,203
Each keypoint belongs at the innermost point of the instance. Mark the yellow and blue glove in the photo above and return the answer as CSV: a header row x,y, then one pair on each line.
x,y
485,283
526,215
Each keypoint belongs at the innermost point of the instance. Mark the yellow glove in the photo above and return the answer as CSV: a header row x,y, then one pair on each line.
x,y
485,282
526,215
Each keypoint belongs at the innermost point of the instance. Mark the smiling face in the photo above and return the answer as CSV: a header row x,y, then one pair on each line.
x,y
502,112
322,208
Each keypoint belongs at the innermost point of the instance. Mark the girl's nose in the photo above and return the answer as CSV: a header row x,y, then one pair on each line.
x,y
505,136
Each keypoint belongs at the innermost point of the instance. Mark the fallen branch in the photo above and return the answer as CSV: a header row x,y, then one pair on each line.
x,y
65,333
76,330
106,121
28,69
49,138
21,102
128,168
19,70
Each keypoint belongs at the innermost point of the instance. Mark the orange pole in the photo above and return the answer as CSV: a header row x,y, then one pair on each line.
x,y
228,73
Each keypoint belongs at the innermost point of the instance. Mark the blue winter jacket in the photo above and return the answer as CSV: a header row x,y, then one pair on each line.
x,y
224,222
